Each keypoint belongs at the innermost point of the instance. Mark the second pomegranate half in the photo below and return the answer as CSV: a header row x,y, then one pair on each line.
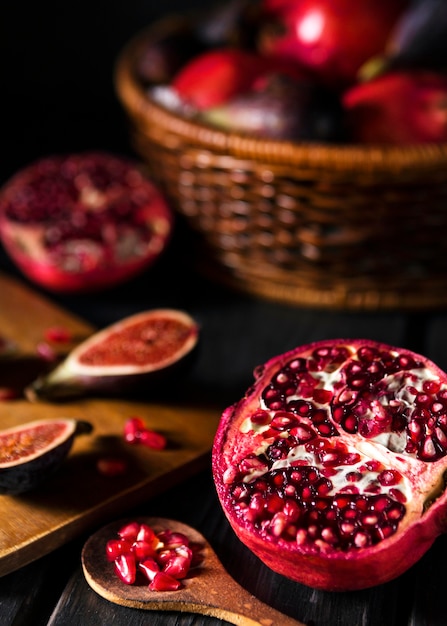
x,y
80,222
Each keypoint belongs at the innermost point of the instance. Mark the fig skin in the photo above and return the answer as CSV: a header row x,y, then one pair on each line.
x,y
71,378
26,475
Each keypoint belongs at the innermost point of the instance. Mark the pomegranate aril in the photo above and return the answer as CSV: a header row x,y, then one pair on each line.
x,y
46,352
260,418
129,531
147,534
171,539
152,439
142,550
178,567
149,567
8,393
164,582
58,334
126,568
111,466
389,477
132,429
117,547
362,539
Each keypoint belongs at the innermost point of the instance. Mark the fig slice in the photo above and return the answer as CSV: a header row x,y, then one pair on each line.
x,y
31,452
135,352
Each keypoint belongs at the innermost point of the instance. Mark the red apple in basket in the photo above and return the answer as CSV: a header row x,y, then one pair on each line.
x,y
398,108
216,76
333,38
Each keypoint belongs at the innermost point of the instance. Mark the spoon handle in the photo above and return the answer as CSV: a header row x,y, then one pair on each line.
x,y
227,600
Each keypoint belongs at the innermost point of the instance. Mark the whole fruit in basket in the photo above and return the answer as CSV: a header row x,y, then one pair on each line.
x,y
332,467
333,38
84,221
398,108
283,108
216,76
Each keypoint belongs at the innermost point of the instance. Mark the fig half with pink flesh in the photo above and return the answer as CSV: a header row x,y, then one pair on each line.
x,y
332,467
31,452
137,352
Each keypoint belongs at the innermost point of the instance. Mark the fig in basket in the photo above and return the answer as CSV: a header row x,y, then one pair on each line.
x,y
85,221
332,467
141,352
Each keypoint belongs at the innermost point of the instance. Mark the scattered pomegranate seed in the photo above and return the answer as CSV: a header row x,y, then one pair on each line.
x,y
136,432
152,439
132,429
164,582
111,466
8,393
164,558
58,334
46,352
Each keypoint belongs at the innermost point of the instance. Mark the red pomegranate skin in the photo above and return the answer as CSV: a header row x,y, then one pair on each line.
x,y
398,500
398,108
332,38
216,76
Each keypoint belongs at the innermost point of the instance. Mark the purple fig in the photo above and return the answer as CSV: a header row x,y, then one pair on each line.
x,y
281,108
140,351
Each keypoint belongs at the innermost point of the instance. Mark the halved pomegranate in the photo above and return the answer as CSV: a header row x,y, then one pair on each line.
x,y
332,468
80,222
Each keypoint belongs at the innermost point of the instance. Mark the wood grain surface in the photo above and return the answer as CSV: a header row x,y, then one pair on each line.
x,y
78,495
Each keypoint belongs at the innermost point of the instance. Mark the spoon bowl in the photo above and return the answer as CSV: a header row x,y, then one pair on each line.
x,y
208,589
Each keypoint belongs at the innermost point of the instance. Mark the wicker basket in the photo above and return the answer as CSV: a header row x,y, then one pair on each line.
x,y
343,227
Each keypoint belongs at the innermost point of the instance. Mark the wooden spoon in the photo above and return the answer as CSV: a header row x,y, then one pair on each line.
x,y
209,590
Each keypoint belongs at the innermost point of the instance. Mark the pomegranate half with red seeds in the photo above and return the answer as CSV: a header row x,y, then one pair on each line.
x,y
332,467
80,222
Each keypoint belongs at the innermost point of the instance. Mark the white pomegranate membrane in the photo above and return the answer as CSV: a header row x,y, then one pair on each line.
x,y
338,448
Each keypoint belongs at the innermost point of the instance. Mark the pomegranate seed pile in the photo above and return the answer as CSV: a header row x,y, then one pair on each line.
x,y
162,558
328,456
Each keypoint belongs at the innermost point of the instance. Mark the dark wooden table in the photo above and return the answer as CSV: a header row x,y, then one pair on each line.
x,y
57,95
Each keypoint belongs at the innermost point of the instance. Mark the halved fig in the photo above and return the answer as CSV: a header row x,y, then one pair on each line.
x,y
332,468
31,452
79,222
136,352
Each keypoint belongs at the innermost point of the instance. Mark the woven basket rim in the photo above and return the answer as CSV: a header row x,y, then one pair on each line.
x,y
349,157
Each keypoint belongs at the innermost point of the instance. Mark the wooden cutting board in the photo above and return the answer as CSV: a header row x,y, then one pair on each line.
x,y
78,495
